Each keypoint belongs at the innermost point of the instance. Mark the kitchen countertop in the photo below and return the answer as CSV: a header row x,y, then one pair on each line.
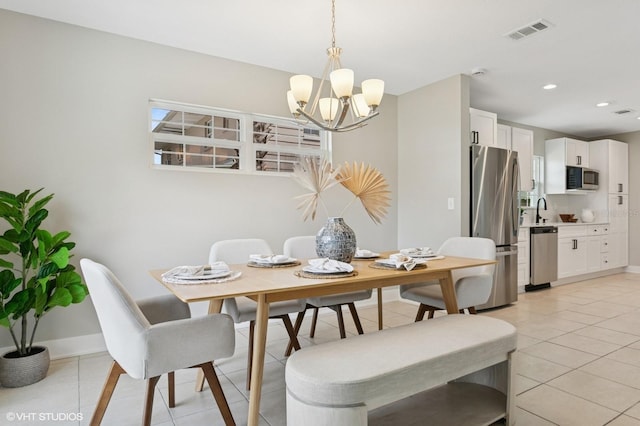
x,y
533,225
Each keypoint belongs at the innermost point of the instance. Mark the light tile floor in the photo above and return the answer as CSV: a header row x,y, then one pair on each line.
x,y
578,363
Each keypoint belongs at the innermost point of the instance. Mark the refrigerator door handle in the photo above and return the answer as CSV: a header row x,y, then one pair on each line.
x,y
506,253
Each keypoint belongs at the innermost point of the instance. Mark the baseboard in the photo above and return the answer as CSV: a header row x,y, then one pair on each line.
x,y
633,269
94,343
70,346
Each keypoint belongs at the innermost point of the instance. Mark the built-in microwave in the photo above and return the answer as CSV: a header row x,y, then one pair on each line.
x,y
582,178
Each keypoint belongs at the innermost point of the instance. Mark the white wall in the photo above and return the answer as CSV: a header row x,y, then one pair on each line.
x,y
74,120
433,163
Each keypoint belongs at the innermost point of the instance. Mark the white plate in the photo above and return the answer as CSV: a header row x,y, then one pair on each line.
x,y
281,262
313,270
417,253
371,256
206,276
392,263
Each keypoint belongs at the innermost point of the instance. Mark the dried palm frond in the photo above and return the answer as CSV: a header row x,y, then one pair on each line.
x,y
316,176
369,185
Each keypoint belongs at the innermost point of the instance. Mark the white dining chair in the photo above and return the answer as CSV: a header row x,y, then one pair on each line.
x,y
304,247
472,285
244,309
154,338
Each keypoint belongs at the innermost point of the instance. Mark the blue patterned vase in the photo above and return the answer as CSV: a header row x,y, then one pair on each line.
x,y
336,240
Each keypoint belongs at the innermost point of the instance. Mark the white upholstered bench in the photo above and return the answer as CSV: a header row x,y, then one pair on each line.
x,y
454,369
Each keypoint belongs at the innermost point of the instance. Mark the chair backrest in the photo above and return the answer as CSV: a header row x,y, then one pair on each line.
x,y
303,247
474,247
123,324
237,251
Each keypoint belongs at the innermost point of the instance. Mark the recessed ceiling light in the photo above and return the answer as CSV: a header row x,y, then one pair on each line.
x,y
602,104
549,86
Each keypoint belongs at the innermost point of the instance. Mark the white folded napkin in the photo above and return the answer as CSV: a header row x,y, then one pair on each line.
x,y
328,265
417,251
268,258
364,253
196,271
403,261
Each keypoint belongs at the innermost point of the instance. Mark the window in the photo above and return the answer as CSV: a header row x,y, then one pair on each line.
x,y
202,138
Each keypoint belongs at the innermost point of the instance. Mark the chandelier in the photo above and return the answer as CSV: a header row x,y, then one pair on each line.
x,y
335,99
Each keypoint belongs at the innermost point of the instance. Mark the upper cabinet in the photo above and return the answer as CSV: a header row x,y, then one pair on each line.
x,y
484,127
611,159
521,141
577,152
558,154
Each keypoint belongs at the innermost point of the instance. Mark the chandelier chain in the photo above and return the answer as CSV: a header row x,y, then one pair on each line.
x,y
333,23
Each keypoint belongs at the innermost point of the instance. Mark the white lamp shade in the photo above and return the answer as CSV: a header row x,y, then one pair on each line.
x,y
293,105
342,82
328,108
360,106
373,90
301,87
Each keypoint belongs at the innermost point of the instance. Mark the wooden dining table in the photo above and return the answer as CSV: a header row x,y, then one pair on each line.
x,y
267,285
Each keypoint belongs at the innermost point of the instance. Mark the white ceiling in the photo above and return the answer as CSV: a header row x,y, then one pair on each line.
x,y
591,52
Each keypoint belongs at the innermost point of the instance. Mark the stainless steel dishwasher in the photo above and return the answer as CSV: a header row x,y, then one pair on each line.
x,y
544,257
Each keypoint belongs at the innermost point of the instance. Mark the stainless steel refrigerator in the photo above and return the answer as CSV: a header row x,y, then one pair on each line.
x,y
494,214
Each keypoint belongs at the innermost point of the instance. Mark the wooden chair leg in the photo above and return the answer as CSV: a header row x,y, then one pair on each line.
x,y
171,378
314,321
338,309
421,311
252,325
218,394
107,392
293,339
431,312
148,405
472,310
356,318
296,330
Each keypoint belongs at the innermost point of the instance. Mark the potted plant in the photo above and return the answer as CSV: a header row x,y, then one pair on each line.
x,y
35,277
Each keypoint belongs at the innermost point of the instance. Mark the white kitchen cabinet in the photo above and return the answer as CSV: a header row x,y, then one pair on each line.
x,y
560,153
572,251
597,248
618,230
618,167
521,141
523,257
577,153
484,127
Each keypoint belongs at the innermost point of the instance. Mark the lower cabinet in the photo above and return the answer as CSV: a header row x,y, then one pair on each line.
x,y
572,251
523,257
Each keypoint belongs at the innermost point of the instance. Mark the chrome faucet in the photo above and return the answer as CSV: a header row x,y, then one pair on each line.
x,y
538,217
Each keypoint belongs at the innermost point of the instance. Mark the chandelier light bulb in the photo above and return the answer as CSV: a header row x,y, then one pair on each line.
x,y
301,87
373,90
328,108
342,82
360,106
293,105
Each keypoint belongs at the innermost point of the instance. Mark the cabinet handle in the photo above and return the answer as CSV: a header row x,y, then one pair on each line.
x,y
579,158
619,187
619,200
474,137
575,244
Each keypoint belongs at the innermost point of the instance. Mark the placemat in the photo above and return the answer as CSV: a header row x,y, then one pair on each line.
x,y
234,275
272,265
375,265
304,274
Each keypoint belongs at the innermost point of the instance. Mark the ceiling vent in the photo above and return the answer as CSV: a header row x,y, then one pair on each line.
x,y
623,111
530,29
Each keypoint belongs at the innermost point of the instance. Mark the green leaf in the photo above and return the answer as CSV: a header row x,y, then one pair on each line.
x,y
6,197
35,220
41,300
78,292
32,195
60,297
60,237
20,303
47,270
7,246
5,264
8,283
61,257
38,205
